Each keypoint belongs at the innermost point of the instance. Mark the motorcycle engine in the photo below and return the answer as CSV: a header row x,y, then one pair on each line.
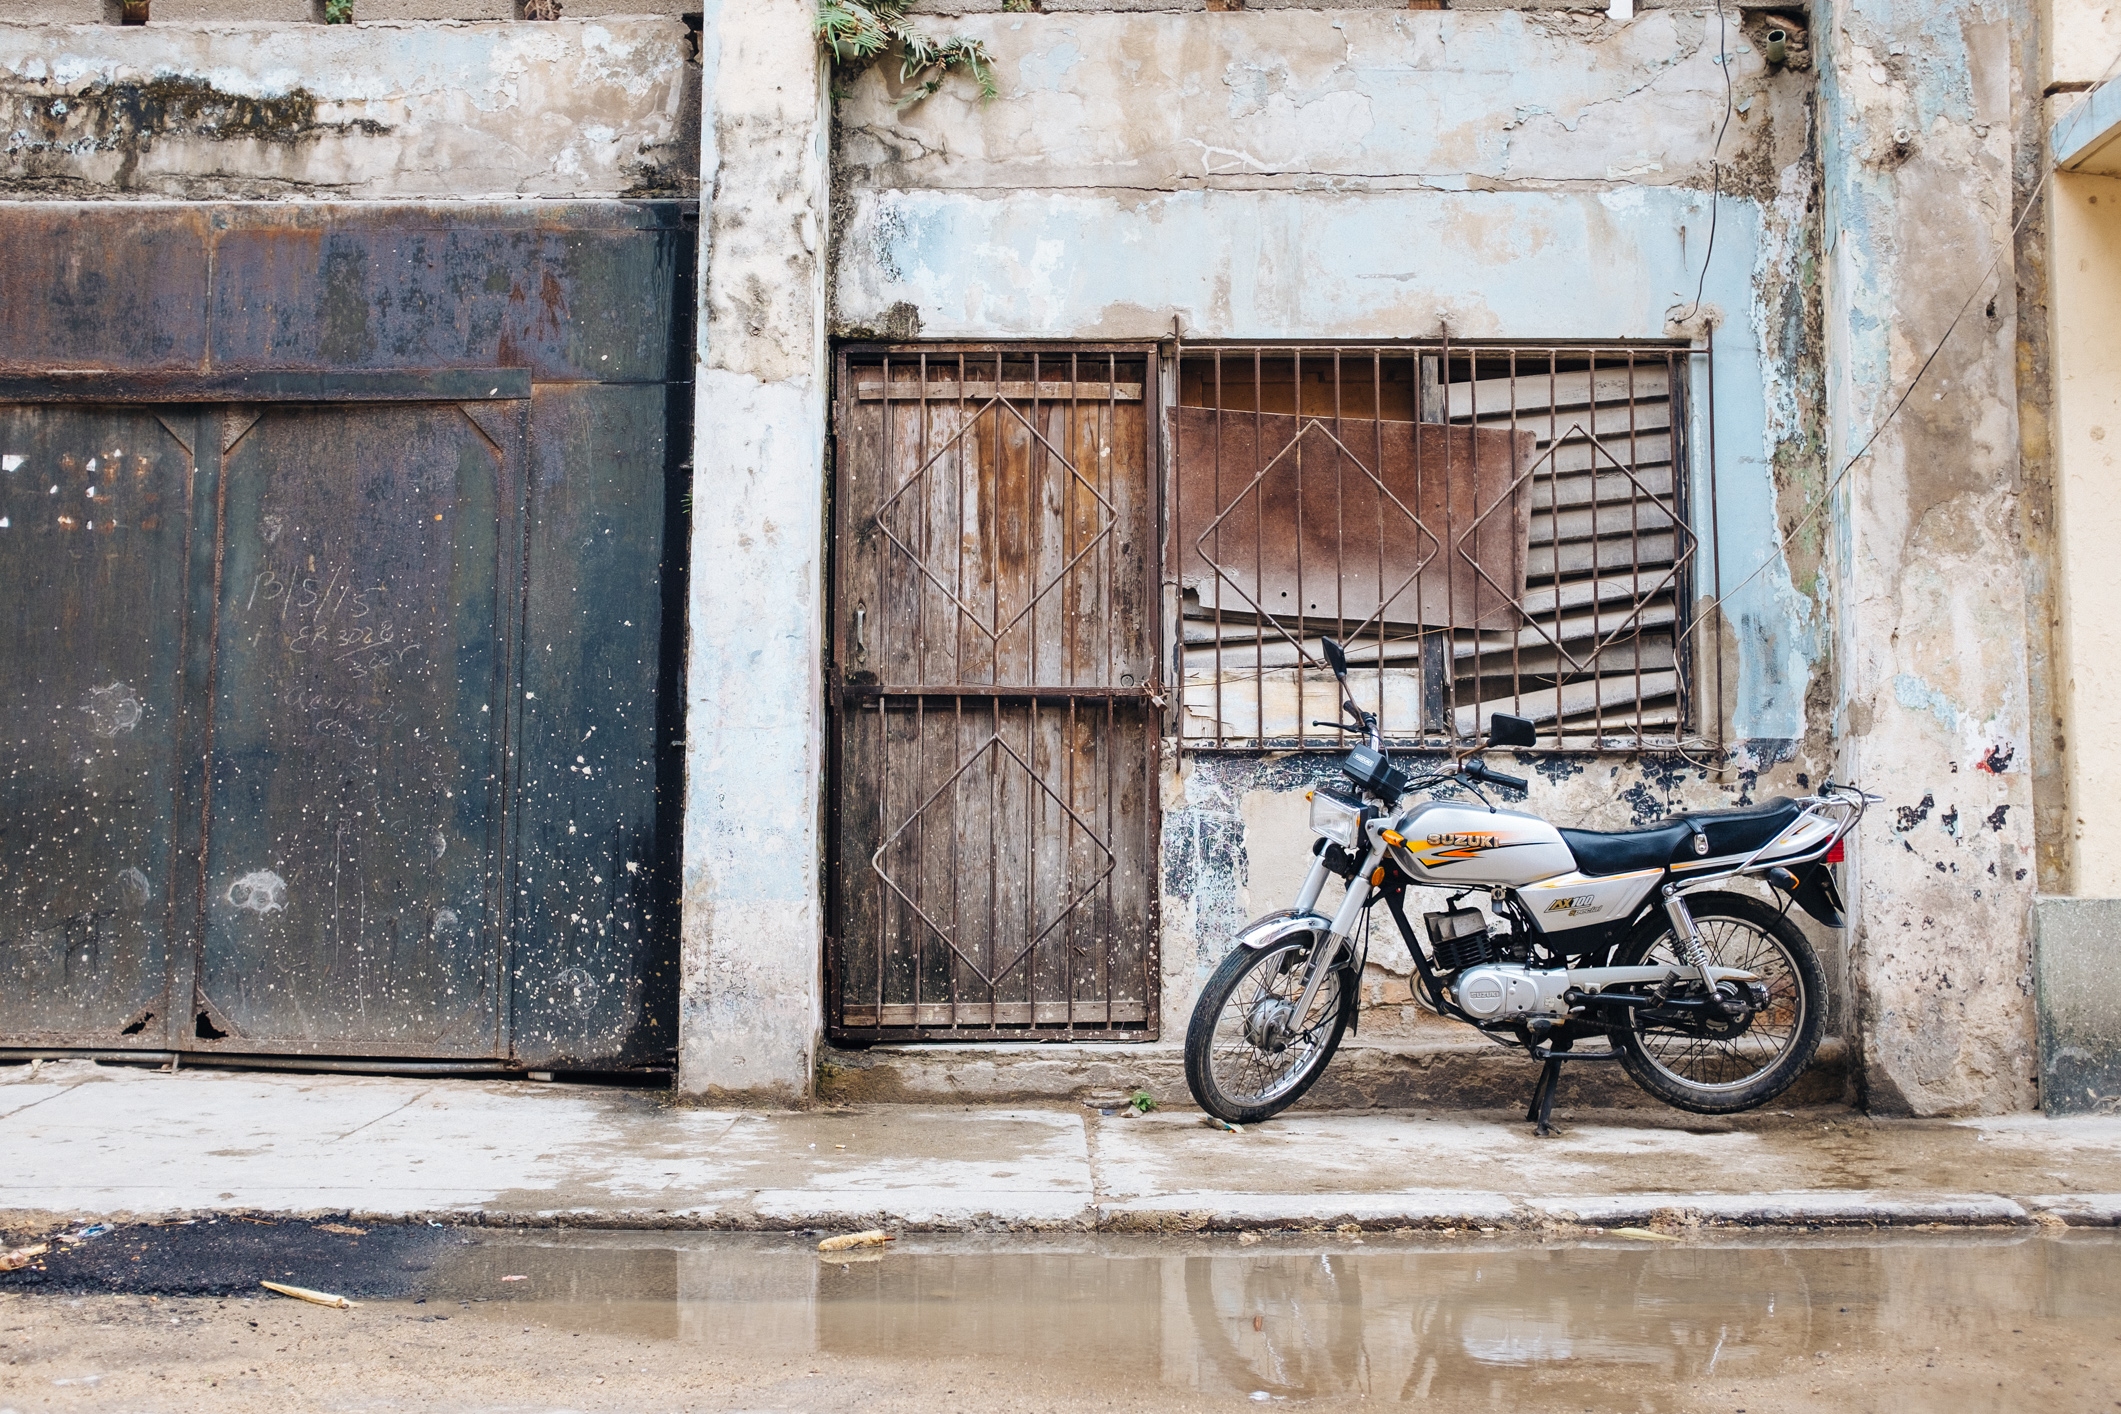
x,y
1499,990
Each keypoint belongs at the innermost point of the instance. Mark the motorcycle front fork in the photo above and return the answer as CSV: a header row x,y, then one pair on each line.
x,y
1327,953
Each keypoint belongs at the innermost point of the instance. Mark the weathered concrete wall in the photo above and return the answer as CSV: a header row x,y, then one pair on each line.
x,y
1922,157
573,108
1349,173
753,920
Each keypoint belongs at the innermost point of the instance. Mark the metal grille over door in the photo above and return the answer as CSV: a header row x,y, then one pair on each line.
x,y
996,707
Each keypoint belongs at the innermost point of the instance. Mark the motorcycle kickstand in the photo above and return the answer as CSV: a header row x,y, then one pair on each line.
x,y
1542,1108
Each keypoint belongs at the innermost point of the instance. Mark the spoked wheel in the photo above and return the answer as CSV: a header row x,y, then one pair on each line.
x,y
1718,1060
1248,1056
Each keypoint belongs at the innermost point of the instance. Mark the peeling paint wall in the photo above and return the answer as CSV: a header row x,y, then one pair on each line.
x,y
1351,173
571,108
1925,162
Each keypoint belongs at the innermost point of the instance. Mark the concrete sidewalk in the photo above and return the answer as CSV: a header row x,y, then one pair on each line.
x,y
82,1140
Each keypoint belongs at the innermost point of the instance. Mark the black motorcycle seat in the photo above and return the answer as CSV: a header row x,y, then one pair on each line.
x,y
1738,831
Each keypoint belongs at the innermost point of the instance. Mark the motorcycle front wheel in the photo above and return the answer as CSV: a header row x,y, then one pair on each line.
x,y
1248,1057
1720,1065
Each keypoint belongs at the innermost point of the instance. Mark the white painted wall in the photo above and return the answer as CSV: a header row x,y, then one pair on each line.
x,y
2085,311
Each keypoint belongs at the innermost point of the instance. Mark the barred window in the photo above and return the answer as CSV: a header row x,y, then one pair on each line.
x,y
1487,528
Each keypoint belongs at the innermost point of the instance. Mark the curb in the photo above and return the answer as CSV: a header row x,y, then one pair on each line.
x,y
1424,1210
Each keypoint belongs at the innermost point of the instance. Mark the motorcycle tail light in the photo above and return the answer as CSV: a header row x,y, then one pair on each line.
x,y
1832,856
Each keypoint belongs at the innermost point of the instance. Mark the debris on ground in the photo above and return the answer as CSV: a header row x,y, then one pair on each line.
x,y
1643,1232
874,1237
341,1229
21,1257
85,1233
303,1293
1211,1122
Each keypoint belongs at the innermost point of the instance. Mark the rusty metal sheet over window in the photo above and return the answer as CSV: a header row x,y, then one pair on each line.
x,y
1346,519
1488,529
995,693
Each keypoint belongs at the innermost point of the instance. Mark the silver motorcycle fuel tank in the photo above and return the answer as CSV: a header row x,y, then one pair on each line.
x,y
1453,845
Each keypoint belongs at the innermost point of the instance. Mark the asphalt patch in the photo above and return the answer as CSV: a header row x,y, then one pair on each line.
x,y
230,1256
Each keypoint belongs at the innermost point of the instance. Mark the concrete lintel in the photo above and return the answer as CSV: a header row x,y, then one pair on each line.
x,y
2088,137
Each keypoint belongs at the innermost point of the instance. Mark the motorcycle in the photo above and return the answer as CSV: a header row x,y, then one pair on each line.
x,y
1712,1000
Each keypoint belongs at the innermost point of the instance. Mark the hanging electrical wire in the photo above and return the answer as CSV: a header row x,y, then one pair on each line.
x,y
1723,61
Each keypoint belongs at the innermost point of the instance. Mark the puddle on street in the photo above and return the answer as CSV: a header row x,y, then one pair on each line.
x,y
1311,1317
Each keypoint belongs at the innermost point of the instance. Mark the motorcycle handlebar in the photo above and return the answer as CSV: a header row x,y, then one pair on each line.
x,y
1479,771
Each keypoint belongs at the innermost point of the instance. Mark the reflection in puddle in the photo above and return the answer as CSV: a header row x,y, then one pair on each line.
x,y
1299,1318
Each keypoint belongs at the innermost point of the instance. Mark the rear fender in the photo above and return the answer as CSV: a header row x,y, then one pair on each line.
x,y
1816,894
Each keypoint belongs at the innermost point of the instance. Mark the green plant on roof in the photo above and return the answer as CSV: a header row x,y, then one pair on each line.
x,y
338,12
858,32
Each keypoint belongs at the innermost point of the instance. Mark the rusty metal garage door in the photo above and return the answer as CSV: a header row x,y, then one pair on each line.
x,y
341,701
996,708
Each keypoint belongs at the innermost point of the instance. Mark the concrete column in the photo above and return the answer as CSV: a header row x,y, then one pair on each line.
x,y
1920,142
754,735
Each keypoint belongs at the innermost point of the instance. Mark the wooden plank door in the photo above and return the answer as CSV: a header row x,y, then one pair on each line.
x,y
995,693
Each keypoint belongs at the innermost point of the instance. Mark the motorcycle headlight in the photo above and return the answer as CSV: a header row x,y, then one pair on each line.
x,y
1338,820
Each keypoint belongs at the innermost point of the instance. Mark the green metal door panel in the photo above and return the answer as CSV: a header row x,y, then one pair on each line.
x,y
93,520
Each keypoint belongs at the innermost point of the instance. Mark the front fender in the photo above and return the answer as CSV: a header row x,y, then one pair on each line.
x,y
1286,923
1273,927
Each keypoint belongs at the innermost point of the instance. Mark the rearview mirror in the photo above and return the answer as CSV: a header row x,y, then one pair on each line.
x,y
1505,730
1336,658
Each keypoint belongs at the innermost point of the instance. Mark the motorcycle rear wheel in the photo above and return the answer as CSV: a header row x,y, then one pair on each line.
x,y
1718,1068
1234,1078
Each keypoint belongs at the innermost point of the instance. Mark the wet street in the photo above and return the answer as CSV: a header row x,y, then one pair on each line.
x,y
1560,1320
